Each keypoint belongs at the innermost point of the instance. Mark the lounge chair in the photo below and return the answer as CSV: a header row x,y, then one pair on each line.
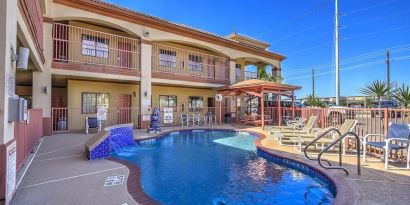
x,y
184,120
92,122
296,124
299,140
299,129
398,133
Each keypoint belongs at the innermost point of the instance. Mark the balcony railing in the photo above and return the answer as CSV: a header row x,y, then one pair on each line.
x,y
250,75
34,18
181,64
88,48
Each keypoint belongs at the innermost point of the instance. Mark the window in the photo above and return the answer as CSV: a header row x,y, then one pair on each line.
x,y
195,103
91,101
238,71
195,63
167,58
166,101
94,46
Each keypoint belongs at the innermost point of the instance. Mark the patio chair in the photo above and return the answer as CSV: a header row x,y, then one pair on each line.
x,y
184,120
298,140
92,122
398,133
196,119
209,118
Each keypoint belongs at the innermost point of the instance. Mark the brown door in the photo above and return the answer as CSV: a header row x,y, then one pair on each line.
x,y
211,105
124,109
124,54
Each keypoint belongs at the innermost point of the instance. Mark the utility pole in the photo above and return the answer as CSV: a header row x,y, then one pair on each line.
x,y
388,73
313,82
337,53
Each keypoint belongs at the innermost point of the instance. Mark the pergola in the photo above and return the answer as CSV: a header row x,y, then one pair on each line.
x,y
258,88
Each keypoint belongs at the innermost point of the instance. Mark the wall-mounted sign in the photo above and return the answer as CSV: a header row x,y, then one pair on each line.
x,y
168,115
11,171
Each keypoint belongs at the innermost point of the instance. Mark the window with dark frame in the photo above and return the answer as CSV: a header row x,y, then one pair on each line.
x,y
195,103
168,101
90,102
94,46
167,58
195,62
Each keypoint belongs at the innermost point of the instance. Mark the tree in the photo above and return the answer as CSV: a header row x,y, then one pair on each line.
x,y
314,101
263,75
376,89
368,103
402,94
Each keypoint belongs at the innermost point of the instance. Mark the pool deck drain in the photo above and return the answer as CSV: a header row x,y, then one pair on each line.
x,y
60,174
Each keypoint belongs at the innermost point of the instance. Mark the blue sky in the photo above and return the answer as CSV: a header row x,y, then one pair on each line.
x,y
302,30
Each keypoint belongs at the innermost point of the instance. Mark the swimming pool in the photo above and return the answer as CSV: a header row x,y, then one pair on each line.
x,y
219,167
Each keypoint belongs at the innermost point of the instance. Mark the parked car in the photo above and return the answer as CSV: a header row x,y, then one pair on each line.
x,y
386,104
338,114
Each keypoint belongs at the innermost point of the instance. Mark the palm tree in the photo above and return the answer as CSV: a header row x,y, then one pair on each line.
x,y
402,95
376,89
314,101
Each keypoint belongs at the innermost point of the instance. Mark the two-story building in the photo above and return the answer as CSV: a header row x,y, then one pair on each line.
x,y
90,53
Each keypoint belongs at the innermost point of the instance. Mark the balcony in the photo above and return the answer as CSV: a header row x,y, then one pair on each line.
x,y
82,49
34,18
188,65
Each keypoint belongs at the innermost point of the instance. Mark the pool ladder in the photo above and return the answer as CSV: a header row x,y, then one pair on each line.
x,y
333,143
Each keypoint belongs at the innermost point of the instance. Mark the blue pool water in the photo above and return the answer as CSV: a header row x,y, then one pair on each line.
x,y
218,167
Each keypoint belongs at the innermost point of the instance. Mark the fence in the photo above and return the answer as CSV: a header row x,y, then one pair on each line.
x,y
73,119
27,134
178,111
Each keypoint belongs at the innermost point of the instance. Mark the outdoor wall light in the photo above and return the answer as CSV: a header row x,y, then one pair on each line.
x,y
145,93
45,89
134,94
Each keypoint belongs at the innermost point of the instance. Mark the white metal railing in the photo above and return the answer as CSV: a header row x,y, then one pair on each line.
x,y
172,60
250,75
82,45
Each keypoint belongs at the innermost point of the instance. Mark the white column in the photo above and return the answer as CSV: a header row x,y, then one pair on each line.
x,y
232,72
42,80
146,79
8,44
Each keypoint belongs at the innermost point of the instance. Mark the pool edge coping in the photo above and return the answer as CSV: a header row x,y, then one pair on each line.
x,y
344,191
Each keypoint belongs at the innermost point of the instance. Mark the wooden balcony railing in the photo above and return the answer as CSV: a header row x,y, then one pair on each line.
x,y
181,64
89,50
34,19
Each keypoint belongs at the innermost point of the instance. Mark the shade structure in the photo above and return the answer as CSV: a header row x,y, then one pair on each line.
x,y
258,88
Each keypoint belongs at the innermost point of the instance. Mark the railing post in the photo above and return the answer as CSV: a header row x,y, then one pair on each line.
x,y
386,120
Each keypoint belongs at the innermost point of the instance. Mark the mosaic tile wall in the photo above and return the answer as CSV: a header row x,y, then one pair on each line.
x,y
117,138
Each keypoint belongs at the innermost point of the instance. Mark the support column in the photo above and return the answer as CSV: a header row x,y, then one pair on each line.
x,y
263,109
232,72
146,81
42,81
279,110
8,45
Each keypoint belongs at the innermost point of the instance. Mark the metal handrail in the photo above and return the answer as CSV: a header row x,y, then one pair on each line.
x,y
340,145
317,139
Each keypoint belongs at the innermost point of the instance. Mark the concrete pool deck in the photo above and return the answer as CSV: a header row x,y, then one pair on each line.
x,y
60,174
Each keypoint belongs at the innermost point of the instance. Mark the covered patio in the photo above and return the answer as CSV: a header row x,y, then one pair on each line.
x,y
255,88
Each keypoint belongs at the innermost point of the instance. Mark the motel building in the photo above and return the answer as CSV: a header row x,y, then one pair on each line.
x,y
84,54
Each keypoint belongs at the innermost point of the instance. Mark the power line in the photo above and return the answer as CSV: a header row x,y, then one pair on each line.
x,y
370,7
376,32
294,19
371,54
365,65
375,19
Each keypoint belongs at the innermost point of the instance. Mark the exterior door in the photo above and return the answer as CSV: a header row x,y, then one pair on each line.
x,y
124,109
211,105
124,54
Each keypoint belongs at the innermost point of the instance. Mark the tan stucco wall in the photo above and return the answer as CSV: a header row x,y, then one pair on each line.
x,y
181,93
74,95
